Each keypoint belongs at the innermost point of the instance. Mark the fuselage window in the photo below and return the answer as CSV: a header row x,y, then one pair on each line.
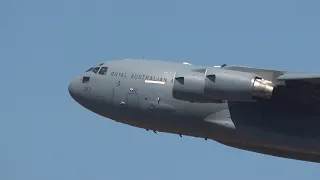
x,y
85,79
103,70
95,70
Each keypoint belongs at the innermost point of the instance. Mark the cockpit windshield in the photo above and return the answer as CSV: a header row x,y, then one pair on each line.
x,y
103,70
95,70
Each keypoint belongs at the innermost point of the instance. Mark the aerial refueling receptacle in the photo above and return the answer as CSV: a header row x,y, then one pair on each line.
x,y
220,84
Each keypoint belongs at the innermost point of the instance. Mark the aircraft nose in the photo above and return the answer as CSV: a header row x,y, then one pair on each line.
x,y
73,88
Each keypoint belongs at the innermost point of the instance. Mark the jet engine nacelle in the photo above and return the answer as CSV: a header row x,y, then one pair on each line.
x,y
214,84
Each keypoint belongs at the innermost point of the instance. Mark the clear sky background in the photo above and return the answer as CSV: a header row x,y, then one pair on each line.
x,y
45,135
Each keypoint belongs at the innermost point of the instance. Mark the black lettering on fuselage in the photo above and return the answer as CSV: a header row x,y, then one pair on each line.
x,y
119,74
140,76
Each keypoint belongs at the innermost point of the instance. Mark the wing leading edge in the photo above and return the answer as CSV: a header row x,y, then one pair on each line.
x,y
297,87
312,78
280,77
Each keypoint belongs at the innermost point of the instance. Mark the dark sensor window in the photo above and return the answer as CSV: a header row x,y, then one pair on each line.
x,y
85,79
95,70
103,70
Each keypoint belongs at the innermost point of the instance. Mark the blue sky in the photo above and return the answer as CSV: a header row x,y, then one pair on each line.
x,y
44,134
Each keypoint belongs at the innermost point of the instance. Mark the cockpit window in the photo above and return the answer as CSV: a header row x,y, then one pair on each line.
x,y
103,70
95,70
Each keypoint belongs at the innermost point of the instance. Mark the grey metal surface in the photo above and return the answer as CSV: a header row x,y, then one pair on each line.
x,y
242,107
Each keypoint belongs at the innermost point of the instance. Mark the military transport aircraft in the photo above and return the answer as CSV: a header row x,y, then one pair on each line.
x,y
265,111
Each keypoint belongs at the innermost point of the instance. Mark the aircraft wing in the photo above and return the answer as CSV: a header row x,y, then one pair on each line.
x,y
310,78
280,77
301,88
304,87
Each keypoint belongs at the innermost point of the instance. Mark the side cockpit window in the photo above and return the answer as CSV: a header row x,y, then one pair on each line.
x,y
103,70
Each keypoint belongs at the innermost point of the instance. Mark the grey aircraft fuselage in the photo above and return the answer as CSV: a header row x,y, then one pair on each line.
x,y
140,93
